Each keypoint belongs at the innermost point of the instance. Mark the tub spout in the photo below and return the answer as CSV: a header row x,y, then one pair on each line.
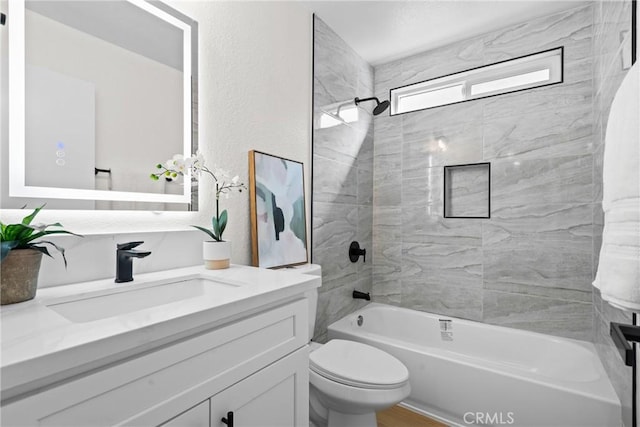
x,y
361,295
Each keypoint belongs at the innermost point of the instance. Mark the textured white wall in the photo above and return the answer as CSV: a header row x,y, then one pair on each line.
x,y
255,93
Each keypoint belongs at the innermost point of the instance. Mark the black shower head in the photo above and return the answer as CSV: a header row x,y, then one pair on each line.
x,y
380,106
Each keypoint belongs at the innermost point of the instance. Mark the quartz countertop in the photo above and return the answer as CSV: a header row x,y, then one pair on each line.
x,y
40,347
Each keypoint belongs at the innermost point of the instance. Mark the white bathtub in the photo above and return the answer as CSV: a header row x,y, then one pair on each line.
x,y
488,375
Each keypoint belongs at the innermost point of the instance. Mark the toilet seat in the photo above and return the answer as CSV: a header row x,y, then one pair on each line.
x,y
358,365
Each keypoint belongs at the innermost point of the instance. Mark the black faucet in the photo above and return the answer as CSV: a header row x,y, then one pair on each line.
x,y
361,295
124,260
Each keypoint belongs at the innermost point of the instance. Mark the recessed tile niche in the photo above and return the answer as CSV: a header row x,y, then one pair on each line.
x,y
467,191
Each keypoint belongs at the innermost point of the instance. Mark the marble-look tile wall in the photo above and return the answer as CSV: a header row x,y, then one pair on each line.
x,y
530,265
612,43
342,177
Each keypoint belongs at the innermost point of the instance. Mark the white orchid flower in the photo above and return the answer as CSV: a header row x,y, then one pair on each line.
x,y
189,162
199,157
199,162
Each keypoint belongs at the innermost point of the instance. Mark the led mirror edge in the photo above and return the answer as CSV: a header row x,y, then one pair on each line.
x,y
190,47
16,74
559,49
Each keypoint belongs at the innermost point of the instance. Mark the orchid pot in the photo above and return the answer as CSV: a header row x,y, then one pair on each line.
x,y
216,254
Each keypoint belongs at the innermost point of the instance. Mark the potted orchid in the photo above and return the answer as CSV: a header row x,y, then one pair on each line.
x,y
216,252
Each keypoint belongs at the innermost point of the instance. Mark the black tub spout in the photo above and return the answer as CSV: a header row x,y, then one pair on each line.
x,y
361,295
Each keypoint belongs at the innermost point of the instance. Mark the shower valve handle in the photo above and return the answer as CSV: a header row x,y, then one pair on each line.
x,y
355,252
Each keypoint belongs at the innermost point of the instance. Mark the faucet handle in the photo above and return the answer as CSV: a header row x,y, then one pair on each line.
x,y
129,245
356,252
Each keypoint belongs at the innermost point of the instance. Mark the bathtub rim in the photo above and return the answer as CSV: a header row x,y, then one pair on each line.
x,y
599,386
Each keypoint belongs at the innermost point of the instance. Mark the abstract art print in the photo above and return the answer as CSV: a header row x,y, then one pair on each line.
x,y
278,222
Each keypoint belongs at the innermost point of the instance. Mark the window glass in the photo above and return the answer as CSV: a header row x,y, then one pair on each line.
x,y
539,69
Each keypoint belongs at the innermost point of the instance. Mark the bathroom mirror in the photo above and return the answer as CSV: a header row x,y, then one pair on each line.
x,y
99,93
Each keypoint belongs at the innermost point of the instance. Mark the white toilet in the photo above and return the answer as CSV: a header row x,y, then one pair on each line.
x,y
350,381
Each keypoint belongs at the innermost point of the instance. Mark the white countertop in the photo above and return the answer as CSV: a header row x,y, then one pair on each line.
x,y
40,346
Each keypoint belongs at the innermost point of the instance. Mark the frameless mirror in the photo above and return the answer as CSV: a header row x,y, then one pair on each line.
x,y
99,92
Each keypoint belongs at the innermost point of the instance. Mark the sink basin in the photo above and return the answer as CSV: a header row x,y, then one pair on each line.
x,y
96,306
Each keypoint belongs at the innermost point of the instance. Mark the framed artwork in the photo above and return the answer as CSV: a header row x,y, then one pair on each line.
x,y
278,221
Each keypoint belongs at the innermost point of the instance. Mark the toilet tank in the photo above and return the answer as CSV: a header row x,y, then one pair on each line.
x,y
312,295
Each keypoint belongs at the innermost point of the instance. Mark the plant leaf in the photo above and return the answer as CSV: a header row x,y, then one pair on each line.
x,y
223,222
206,230
44,251
17,232
6,248
216,227
22,235
48,232
27,219
58,248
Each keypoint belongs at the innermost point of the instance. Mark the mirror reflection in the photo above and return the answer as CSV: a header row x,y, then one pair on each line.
x,y
107,95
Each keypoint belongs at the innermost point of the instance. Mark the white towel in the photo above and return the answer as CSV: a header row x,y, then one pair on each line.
x,y
618,276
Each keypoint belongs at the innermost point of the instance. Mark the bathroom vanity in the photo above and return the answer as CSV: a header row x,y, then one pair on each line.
x,y
181,347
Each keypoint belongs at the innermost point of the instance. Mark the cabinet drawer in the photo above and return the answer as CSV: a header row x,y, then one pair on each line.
x,y
150,389
198,416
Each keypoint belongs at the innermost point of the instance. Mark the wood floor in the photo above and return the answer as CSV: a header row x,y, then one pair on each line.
x,y
397,416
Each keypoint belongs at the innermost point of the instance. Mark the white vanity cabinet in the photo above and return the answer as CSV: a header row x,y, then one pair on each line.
x,y
256,366
198,416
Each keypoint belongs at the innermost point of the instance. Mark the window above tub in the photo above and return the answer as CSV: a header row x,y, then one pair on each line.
x,y
526,72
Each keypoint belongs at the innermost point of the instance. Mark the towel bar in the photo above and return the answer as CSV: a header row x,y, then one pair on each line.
x,y
621,335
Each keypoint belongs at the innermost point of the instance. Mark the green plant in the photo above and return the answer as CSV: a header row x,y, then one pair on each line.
x,y
22,236
225,185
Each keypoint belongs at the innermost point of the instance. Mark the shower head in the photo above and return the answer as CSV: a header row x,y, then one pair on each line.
x,y
380,106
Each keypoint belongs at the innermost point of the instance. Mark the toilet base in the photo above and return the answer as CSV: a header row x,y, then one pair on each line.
x,y
320,416
338,419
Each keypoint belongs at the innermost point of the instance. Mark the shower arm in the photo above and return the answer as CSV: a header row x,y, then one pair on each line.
x,y
373,98
380,106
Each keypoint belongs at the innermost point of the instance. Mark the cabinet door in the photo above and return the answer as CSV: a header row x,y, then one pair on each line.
x,y
198,416
276,396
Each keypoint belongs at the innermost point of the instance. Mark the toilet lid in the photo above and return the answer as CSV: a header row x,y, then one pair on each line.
x,y
359,365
